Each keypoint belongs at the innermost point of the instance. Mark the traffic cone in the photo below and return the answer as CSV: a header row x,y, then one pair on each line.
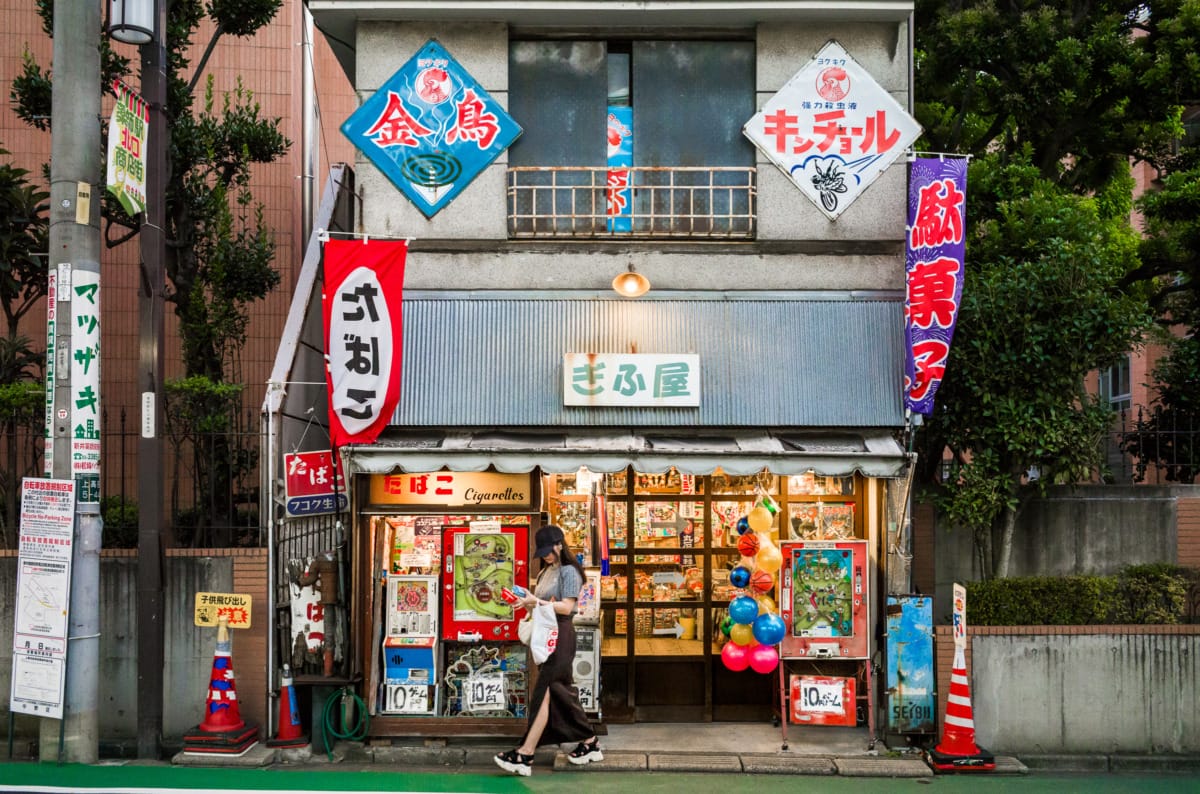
x,y
289,733
957,751
222,730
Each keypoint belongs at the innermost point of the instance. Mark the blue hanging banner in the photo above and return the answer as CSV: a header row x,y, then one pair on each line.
x,y
431,128
620,160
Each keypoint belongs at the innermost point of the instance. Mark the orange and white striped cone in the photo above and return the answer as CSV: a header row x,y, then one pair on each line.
x,y
957,751
222,730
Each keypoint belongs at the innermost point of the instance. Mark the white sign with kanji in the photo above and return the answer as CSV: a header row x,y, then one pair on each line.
x,y
832,129
631,379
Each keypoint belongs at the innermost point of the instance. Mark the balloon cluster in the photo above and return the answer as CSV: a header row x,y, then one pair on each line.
x,y
753,625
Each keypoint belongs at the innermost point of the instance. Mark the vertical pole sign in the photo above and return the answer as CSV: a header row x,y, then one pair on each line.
x,y
39,660
85,384
960,617
51,318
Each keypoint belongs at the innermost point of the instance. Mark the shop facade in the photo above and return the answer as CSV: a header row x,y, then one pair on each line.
x,y
763,366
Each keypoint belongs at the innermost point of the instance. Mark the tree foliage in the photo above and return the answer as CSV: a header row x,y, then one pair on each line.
x,y
1082,85
219,250
23,240
1053,100
1042,306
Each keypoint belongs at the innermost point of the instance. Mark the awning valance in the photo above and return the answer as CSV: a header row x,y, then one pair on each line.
x,y
826,452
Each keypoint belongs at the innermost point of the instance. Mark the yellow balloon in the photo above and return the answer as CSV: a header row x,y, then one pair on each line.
x,y
742,634
766,605
769,559
759,519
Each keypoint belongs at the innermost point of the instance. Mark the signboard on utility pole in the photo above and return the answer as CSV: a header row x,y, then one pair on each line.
x,y
39,659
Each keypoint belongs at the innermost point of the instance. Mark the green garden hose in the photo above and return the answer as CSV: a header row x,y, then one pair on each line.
x,y
329,719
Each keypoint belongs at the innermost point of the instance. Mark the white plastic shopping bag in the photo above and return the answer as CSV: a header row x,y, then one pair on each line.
x,y
545,633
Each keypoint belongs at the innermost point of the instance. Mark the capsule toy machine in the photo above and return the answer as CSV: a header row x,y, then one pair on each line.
x,y
823,599
482,557
410,681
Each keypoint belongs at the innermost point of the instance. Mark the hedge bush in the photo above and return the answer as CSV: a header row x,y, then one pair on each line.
x,y
1138,594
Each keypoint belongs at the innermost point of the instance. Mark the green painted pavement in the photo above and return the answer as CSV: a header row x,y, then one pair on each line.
x,y
135,778
81,778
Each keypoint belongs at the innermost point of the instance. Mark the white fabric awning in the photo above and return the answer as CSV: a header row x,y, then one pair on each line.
x,y
827,452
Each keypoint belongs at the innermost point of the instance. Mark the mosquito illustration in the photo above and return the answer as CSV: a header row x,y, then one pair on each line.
x,y
829,183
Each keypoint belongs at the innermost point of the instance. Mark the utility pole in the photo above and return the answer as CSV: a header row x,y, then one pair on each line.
x,y
75,257
150,375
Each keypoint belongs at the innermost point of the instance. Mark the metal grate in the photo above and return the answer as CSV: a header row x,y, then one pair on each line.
x,y
572,202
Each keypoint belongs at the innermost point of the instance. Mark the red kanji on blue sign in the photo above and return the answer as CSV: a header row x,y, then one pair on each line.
x,y
431,129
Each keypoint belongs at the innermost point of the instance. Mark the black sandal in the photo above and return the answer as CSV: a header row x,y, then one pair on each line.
x,y
515,762
585,753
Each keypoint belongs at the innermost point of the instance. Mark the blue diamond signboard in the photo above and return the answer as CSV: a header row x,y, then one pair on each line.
x,y
431,128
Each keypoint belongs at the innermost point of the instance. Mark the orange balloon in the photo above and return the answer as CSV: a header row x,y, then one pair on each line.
x,y
748,544
763,582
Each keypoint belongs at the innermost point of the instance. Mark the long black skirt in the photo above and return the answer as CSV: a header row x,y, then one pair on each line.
x,y
567,722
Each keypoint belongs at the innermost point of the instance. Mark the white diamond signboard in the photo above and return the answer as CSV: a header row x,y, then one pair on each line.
x,y
832,129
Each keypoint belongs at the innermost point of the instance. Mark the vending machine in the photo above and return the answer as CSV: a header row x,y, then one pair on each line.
x,y
823,598
481,558
410,667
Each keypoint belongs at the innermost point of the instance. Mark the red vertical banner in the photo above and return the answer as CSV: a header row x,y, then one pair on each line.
x,y
361,311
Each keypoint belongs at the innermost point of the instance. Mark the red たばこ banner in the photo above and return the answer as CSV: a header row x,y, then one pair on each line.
x,y
361,309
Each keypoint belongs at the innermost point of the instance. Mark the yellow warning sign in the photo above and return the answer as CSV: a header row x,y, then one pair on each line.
x,y
235,607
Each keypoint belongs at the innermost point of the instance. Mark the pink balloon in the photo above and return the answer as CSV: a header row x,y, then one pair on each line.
x,y
736,657
763,658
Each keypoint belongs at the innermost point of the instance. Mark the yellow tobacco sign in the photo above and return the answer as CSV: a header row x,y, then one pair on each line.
x,y
235,607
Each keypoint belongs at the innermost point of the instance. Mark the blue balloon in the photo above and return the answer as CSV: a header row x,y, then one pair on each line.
x,y
743,609
769,629
743,525
739,576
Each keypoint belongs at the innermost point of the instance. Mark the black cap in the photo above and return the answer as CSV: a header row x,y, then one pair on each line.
x,y
545,538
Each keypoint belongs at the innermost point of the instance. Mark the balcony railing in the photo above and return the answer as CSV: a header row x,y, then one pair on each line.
x,y
704,203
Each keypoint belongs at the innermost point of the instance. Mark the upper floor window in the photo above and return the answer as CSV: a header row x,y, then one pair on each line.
x,y
681,104
1115,386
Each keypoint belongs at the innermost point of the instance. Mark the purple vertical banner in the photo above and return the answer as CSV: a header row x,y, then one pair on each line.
x,y
620,159
934,252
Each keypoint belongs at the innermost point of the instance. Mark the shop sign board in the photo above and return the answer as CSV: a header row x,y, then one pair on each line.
x,y
447,488
313,484
627,380
832,129
431,128
39,657
85,382
484,692
234,607
822,700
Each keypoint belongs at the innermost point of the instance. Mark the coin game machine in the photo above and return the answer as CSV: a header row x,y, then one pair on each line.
x,y
410,684
486,666
824,593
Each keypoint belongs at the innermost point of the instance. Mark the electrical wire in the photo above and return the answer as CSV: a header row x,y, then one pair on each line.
x,y
328,719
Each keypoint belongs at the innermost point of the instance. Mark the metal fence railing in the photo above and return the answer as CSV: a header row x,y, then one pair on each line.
x,y
1155,445
211,486
575,202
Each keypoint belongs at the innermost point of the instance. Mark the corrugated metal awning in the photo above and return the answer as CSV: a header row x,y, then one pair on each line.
x,y
829,453
805,360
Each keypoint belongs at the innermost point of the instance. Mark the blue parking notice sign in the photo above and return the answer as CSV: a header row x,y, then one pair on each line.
x,y
431,128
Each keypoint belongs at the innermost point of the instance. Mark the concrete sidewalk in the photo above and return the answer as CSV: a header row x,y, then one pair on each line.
x,y
649,747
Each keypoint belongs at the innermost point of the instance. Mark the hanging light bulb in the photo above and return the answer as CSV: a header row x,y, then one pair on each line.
x,y
631,284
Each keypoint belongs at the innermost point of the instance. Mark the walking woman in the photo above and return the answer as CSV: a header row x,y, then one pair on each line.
x,y
555,715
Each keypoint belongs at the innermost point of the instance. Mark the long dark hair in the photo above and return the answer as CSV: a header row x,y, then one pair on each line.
x,y
567,557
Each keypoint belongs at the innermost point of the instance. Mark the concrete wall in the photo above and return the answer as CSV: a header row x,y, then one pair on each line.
x,y
1089,529
188,649
1080,689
